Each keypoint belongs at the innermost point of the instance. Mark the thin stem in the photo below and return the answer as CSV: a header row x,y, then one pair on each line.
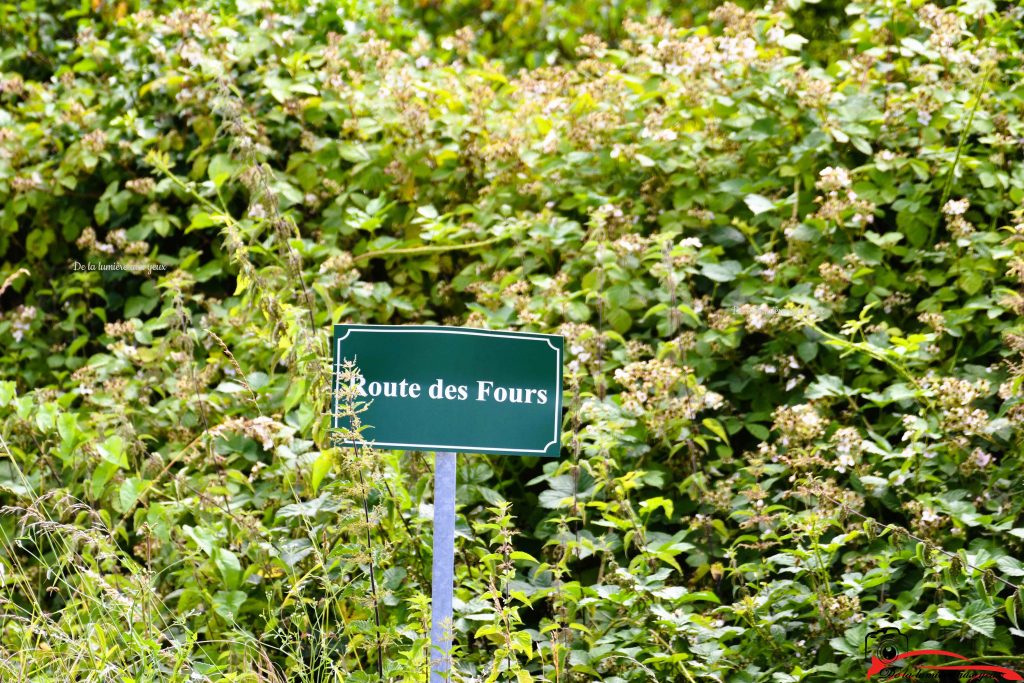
x,y
373,578
901,530
428,249
948,187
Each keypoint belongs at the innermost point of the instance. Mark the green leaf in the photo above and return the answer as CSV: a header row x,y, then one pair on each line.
x,y
725,271
321,467
971,281
203,537
101,475
139,304
296,392
983,623
189,599
310,508
102,211
67,427
759,431
130,491
257,380
112,450
620,320
658,502
487,630
354,152
85,65
716,427
827,385
645,161
38,242
520,555
758,203
807,351
862,145
46,417
1011,609
7,393
228,603
200,220
700,596
220,169
1010,566
792,41
229,566
230,388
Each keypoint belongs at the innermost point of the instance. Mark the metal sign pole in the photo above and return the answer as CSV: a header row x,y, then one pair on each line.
x,y
443,571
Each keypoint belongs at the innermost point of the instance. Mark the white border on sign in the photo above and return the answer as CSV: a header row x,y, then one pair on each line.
x,y
436,330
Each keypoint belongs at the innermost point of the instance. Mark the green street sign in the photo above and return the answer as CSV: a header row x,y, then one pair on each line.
x,y
455,389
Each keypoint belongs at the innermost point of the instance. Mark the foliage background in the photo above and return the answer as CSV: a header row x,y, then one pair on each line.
x,y
783,244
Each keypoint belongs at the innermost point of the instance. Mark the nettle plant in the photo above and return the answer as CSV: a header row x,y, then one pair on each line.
x,y
790,283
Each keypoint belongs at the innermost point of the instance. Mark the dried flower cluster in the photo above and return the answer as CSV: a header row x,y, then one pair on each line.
x,y
663,393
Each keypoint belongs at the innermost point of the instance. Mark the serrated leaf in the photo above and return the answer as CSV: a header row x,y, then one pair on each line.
x,y
983,623
1010,566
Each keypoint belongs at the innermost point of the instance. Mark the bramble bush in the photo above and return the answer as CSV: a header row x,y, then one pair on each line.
x,y
789,275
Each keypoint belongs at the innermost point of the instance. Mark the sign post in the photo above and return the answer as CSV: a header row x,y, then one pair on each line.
x,y
442,580
449,390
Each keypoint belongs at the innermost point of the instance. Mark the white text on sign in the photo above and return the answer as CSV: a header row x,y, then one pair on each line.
x,y
484,391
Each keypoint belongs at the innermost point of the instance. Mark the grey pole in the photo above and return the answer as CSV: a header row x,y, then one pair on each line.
x,y
443,571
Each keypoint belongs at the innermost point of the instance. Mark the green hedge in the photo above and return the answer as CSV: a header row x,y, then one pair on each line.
x,y
788,272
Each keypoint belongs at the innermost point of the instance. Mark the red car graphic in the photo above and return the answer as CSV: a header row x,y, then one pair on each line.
x,y
879,665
